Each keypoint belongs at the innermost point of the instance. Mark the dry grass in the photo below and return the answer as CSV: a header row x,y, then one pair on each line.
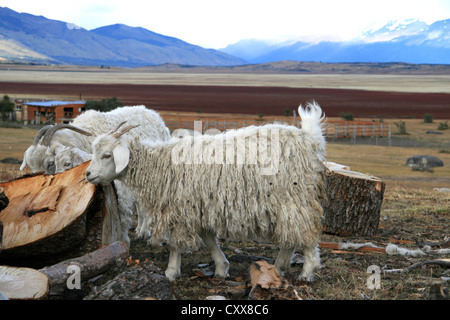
x,y
15,141
401,83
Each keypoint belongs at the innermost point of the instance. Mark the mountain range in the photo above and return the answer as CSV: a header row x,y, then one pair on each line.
x,y
29,38
409,41
26,37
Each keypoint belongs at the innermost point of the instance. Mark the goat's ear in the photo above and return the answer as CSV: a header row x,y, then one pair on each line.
x,y
24,162
27,152
121,157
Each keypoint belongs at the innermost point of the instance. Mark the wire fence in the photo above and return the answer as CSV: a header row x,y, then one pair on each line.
x,y
333,129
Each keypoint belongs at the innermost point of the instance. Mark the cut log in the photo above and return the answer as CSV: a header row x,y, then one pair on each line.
x,y
50,214
23,283
87,266
353,203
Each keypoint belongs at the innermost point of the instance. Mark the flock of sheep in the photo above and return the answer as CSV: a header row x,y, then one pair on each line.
x,y
225,190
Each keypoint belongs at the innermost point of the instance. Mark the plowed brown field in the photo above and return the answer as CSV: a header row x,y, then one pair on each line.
x,y
248,99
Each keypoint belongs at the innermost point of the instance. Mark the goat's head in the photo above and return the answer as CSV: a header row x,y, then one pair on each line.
x,y
40,156
70,157
110,156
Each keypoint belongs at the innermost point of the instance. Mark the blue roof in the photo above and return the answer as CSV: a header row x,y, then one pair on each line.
x,y
53,103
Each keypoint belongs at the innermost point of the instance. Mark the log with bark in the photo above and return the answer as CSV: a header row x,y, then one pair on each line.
x,y
50,215
85,267
353,202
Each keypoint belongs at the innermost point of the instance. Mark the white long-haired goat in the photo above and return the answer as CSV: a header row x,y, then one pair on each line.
x,y
256,182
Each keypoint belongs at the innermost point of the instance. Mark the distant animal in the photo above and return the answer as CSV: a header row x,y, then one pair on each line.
x,y
424,163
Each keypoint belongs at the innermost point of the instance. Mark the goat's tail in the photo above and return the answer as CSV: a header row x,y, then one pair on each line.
x,y
312,121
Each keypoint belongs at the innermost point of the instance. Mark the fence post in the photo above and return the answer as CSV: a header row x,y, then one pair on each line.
x,y
389,135
354,134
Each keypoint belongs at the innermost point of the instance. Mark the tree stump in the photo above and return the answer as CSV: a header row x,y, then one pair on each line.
x,y
353,203
23,283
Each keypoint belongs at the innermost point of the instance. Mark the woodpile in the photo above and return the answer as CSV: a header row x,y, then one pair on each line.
x,y
56,223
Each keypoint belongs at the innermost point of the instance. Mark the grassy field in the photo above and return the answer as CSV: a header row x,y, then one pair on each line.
x,y
412,211
397,83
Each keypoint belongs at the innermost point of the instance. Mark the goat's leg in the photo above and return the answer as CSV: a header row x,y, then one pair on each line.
x,y
174,267
218,256
312,262
283,260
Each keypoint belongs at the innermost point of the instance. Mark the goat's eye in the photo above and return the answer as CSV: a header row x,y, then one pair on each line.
x,y
106,156
67,164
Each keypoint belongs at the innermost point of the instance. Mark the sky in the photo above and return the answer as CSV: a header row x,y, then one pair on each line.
x,y
216,24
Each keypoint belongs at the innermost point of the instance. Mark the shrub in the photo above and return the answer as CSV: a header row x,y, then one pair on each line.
x,y
104,105
428,118
6,106
348,116
401,127
443,125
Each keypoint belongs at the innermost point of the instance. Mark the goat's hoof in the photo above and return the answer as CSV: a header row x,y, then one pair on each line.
x,y
172,275
221,275
306,278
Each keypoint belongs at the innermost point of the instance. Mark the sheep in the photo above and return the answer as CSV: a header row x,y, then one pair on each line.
x,y
55,150
268,184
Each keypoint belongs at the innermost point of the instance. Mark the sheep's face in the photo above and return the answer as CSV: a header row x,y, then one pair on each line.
x,y
109,160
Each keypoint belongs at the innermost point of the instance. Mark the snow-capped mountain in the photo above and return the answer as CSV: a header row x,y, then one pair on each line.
x,y
393,29
410,41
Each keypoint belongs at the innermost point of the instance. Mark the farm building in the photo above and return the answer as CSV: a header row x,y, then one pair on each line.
x,y
50,111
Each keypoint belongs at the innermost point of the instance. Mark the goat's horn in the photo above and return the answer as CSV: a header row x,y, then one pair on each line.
x,y
49,134
124,130
117,127
40,134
